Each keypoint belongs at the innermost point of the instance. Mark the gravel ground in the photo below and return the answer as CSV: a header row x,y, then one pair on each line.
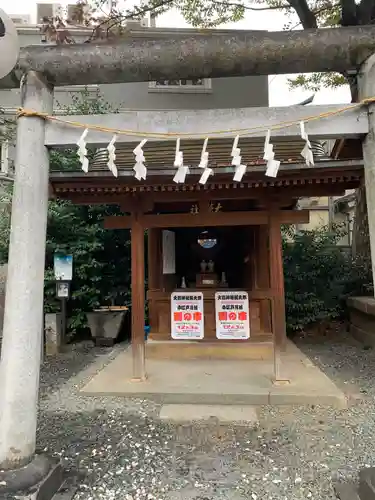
x,y
124,452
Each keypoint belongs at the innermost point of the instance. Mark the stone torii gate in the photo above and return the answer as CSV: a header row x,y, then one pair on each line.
x,y
208,55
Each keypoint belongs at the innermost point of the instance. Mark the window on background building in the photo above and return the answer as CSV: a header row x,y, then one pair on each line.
x,y
77,88
194,86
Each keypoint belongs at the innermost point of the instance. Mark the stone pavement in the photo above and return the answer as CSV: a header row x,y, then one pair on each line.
x,y
217,382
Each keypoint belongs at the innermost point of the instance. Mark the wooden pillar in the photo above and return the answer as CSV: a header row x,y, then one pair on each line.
x,y
263,277
138,297
277,281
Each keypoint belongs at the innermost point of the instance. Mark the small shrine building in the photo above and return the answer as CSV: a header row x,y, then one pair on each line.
x,y
215,268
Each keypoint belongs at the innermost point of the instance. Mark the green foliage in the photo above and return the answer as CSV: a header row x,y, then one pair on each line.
x,y
101,258
319,276
316,81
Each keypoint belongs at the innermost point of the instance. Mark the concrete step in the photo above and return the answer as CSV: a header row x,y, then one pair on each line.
x,y
367,484
240,415
179,350
346,491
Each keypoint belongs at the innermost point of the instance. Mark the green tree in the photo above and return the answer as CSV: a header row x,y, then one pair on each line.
x,y
101,258
319,276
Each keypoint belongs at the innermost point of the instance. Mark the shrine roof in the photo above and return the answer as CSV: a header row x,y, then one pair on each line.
x,y
99,185
293,173
160,154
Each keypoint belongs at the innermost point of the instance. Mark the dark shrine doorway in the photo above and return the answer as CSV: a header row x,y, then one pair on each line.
x,y
226,247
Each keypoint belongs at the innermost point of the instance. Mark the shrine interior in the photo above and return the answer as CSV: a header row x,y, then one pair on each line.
x,y
222,251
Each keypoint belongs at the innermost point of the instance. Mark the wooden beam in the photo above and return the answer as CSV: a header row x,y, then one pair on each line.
x,y
126,201
138,298
137,202
208,219
198,122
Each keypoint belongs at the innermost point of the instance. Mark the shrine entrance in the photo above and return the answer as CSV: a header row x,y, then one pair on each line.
x,y
208,261
211,258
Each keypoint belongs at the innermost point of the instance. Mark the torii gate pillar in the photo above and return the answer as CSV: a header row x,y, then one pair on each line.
x,y
366,84
23,319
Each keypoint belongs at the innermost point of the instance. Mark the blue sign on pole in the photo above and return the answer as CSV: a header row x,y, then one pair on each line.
x,y
63,266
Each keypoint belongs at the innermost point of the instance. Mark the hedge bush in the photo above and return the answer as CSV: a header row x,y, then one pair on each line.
x,y
319,276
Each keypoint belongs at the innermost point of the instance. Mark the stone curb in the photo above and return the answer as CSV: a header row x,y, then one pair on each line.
x,y
39,480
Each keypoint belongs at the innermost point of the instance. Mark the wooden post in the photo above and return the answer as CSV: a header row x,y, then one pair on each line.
x,y
278,302
138,297
277,280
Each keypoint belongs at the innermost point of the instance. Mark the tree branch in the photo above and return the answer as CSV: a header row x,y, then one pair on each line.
x,y
305,14
247,7
348,12
365,11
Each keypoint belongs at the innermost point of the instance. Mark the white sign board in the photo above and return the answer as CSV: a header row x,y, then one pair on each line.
x,y
169,252
187,315
232,315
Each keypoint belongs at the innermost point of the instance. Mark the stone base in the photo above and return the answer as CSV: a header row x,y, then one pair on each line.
x,y
345,491
39,480
366,488
105,325
362,319
104,342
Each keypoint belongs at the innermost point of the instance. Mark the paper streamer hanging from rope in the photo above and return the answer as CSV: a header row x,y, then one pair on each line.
x,y
139,167
182,171
207,172
269,155
306,152
82,151
236,161
112,156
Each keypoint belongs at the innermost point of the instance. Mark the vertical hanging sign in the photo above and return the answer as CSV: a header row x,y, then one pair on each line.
x,y
187,321
232,315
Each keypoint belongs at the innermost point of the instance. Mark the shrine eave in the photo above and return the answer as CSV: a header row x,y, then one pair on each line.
x,y
328,177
